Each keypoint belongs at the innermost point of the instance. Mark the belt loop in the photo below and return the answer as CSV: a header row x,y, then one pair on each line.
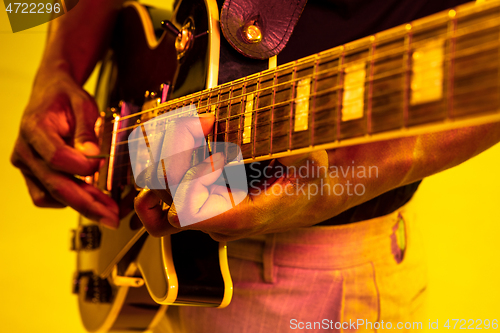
x,y
268,258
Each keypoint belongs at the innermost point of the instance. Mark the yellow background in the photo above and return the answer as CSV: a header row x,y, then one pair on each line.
x,y
459,215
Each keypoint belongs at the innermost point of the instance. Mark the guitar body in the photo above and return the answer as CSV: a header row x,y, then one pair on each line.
x,y
125,278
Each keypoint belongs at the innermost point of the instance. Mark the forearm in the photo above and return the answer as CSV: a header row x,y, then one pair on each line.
x,y
77,40
436,152
403,161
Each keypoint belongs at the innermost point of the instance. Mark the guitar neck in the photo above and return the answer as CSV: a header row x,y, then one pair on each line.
x,y
436,73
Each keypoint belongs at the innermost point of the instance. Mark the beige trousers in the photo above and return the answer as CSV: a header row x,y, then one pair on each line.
x,y
331,278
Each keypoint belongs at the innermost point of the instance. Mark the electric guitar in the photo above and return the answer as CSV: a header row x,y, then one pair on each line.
x,y
433,74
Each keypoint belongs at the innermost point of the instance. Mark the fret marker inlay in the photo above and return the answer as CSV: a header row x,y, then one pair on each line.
x,y
427,78
354,91
247,119
302,105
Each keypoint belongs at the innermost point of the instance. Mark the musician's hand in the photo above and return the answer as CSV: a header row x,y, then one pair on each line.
x,y
273,204
56,135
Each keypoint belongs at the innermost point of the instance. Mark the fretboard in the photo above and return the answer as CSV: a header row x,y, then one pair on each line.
x,y
433,74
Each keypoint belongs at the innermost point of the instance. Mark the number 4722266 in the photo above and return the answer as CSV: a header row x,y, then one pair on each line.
x,y
477,324
33,8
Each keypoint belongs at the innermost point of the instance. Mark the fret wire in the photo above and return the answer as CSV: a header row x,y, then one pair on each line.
x,y
275,79
312,76
229,103
254,115
380,76
407,78
241,117
128,163
473,50
292,105
183,99
313,112
452,26
265,108
126,128
216,127
389,53
205,93
326,91
395,92
448,57
125,153
339,96
489,45
284,118
207,139
238,115
373,50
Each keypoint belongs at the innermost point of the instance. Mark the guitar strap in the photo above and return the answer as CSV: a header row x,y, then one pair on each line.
x,y
259,29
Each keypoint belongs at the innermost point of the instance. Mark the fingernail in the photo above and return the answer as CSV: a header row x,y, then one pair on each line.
x,y
107,222
205,115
